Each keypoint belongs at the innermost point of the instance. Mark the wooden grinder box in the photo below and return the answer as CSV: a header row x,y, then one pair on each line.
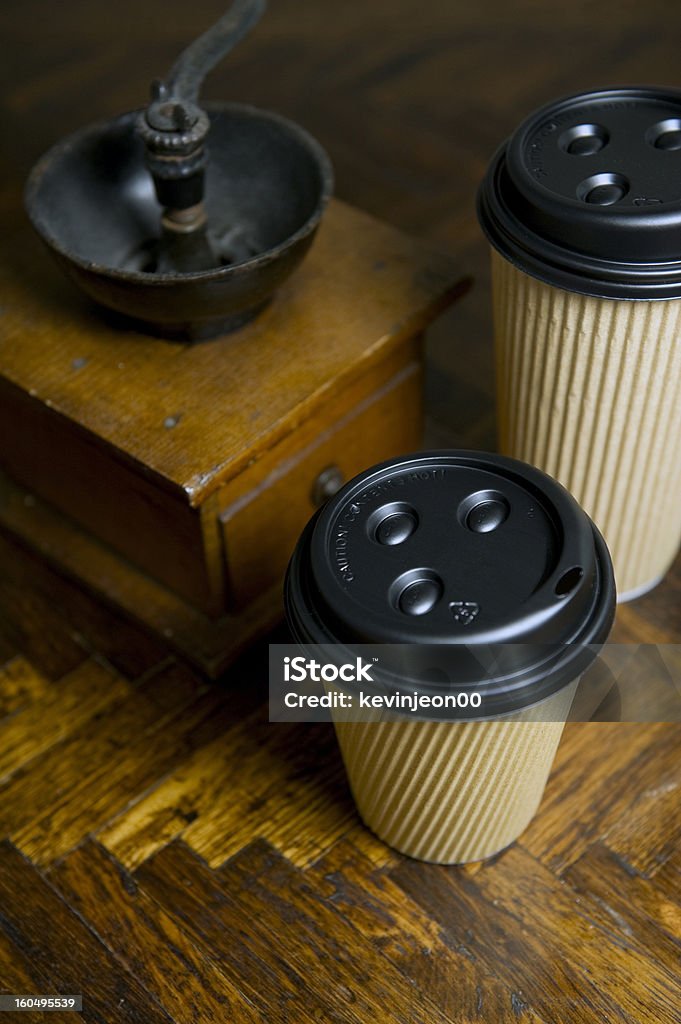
x,y
173,479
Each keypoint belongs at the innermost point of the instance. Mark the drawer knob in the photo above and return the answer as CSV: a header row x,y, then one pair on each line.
x,y
326,484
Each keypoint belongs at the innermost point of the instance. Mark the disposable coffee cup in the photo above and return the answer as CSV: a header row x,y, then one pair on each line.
x,y
488,570
582,207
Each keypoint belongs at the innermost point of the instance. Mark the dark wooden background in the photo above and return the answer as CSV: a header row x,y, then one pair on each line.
x,y
167,851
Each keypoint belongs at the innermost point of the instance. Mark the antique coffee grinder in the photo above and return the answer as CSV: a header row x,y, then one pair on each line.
x,y
186,219
170,479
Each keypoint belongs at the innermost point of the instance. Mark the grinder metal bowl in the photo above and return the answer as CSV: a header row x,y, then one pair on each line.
x,y
189,243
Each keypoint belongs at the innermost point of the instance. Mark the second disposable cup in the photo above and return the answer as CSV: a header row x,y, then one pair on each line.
x,y
583,211
476,575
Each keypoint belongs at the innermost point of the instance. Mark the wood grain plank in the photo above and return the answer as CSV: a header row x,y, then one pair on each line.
x,y
253,955
344,882
165,812
87,753
645,985
49,807
368,846
667,882
66,705
289,787
44,927
282,782
523,923
631,906
20,974
323,945
184,977
20,685
599,770
650,830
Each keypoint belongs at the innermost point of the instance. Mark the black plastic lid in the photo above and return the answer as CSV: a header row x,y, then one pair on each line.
x,y
458,548
586,195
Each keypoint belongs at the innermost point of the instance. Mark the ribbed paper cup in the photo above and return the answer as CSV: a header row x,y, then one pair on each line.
x,y
452,792
589,390
477,582
582,207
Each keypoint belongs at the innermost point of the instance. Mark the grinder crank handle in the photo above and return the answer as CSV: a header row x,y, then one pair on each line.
x,y
174,127
186,76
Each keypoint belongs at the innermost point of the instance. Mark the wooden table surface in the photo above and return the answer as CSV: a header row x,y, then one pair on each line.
x,y
165,850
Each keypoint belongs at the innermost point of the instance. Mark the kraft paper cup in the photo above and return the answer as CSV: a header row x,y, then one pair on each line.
x,y
589,390
583,211
452,792
467,573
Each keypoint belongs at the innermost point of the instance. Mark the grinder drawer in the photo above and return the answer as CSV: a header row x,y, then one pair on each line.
x,y
260,525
